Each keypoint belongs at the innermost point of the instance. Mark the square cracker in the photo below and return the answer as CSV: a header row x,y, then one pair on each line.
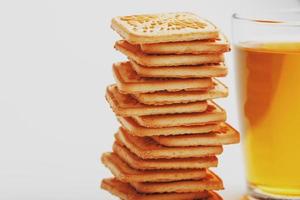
x,y
193,71
137,130
225,135
126,192
163,27
129,82
126,105
123,172
210,182
213,114
135,53
150,164
219,45
164,97
147,148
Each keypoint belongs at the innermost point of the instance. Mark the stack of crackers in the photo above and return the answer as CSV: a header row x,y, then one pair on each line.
x,y
171,129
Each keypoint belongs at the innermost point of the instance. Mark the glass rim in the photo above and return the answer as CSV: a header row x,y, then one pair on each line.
x,y
270,17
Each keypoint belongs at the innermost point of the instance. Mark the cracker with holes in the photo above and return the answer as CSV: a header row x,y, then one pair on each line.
x,y
164,27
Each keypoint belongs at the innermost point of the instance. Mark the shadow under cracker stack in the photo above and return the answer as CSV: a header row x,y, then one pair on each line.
x,y
171,129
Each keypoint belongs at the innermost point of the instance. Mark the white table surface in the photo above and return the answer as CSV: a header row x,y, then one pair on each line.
x,y
55,62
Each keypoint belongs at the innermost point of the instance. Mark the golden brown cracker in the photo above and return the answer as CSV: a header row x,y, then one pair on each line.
x,y
147,148
126,105
225,135
126,192
123,172
193,71
150,164
163,27
129,82
213,114
135,53
163,97
219,45
137,130
210,182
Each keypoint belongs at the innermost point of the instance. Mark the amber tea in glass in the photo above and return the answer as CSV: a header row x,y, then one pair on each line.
x,y
267,63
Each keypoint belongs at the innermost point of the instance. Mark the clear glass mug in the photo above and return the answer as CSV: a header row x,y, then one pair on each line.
x,y
267,64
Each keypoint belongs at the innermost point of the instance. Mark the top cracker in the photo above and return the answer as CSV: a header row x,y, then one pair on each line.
x,y
164,27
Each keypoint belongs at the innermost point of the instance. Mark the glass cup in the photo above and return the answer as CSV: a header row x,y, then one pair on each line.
x,y
267,63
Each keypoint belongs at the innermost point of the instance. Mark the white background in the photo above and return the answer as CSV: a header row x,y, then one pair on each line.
x,y
55,62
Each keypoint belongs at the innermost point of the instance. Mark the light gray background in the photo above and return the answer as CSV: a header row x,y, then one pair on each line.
x,y
55,62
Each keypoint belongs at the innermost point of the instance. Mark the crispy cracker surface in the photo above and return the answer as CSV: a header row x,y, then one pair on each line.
x,y
150,164
126,105
213,114
164,97
137,130
219,45
163,27
147,148
210,182
135,53
122,171
126,192
128,81
194,71
225,135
